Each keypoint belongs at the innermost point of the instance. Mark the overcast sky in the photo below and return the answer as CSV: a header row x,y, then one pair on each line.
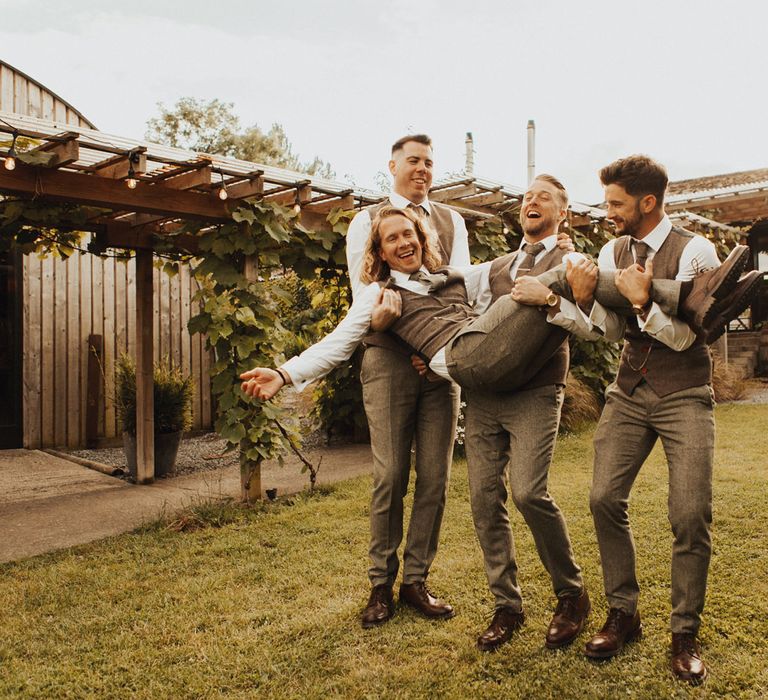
x,y
682,81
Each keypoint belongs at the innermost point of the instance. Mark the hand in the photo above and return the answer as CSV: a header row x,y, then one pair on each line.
x,y
261,382
582,279
564,242
635,283
419,365
528,290
386,310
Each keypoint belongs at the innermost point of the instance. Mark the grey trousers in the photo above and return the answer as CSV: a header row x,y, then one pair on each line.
x,y
403,408
626,433
510,439
501,349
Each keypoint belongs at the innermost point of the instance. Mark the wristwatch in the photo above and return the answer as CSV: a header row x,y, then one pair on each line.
x,y
644,309
552,299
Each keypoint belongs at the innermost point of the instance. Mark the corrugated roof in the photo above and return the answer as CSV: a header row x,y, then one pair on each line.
x,y
717,182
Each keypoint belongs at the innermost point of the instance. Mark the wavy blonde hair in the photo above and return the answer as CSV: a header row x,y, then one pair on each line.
x,y
374,268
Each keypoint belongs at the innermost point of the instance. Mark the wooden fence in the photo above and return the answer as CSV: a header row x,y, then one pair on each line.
x,y
67,302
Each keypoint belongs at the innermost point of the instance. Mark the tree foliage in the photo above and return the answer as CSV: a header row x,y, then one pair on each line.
x,y
212,127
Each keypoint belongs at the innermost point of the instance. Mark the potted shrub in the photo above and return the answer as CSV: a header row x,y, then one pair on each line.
x,y
173,412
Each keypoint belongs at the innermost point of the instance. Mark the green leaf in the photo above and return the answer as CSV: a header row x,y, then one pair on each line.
x,y
244,214
233,433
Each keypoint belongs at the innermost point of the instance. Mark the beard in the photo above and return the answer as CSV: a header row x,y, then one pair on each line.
x,y
535,227
630,226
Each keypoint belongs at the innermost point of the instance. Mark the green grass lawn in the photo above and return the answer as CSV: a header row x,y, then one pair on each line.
x,y
267,605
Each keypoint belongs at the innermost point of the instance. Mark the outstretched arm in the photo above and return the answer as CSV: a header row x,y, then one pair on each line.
x,y
319,359
263,383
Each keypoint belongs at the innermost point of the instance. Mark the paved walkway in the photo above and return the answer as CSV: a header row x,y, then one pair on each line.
x,y
48,503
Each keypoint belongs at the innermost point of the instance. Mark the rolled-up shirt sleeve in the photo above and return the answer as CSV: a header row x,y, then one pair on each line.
x,y
337,347
357,237
460,248
571,318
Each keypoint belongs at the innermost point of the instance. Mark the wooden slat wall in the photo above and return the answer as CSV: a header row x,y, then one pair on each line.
x,y
64,303
20,95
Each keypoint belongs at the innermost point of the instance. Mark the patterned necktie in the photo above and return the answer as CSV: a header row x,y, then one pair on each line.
x,y
434,281
526,264
417,209
641,252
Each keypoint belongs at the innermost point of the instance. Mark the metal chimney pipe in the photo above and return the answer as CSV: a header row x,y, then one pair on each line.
x,y
531,151
469,157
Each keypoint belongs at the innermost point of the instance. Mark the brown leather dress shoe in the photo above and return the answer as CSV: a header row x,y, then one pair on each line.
x,y
686,660
713,286
568,621
380,608
505,621
417,595
619,628
722,313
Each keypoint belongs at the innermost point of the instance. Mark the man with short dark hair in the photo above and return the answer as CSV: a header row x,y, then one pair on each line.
x,y
403,408
662,391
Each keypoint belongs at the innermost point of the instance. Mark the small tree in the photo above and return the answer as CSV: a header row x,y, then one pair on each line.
x,y
212,127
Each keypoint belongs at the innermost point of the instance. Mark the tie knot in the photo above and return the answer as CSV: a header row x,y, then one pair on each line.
x,y
417,209
433,281
641,252
533,248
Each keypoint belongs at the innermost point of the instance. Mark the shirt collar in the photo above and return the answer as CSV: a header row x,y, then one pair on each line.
x,y
404,276
655,239
549,242
397,200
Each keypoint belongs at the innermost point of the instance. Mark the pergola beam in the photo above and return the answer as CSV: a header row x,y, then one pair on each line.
x,y
112,194
446,194
63,152
118,167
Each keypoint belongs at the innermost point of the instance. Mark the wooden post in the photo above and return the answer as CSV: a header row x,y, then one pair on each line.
x,y
250,471
145,404
93,388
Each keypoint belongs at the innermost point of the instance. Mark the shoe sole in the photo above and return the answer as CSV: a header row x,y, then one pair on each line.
x,y
444,616
495,647
731,279
722,320
378,623
601,655
692,680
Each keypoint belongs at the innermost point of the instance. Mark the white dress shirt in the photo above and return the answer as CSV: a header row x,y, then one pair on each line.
x,y
698,256
360,228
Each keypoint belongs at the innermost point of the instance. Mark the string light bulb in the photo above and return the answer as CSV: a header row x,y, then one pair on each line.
x,y
10,159
297,204
131,181
223,189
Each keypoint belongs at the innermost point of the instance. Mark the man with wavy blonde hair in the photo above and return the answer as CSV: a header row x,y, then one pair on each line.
x,y
375,268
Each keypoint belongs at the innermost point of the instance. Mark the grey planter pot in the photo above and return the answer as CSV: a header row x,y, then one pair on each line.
x,y
166,449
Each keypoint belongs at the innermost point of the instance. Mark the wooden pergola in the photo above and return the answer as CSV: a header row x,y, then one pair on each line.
x,y
148,191
476,197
